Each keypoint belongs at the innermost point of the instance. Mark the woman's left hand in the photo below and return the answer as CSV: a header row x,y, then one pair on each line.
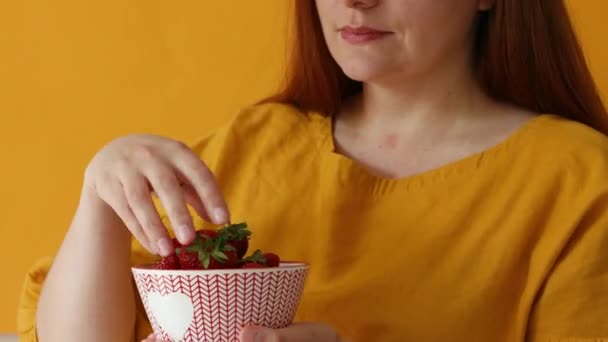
x,y
299,332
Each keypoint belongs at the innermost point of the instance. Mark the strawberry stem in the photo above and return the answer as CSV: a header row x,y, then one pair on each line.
x,y
257,257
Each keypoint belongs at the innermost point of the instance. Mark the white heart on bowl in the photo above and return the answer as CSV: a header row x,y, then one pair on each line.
x,y
173,312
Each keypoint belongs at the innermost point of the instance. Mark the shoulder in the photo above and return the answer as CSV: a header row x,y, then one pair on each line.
x,y
569,134
260,128
568,153
269,119
558,139
571,160
274,119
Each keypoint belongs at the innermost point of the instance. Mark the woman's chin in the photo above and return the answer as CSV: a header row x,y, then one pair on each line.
x,y
364,73
360,76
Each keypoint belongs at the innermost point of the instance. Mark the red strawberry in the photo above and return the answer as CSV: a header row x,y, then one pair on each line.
x,y
253,265
189,255
241,246
222,259
237,235
214,265
170,262
233,258
266,259
189,260
219,249
272,260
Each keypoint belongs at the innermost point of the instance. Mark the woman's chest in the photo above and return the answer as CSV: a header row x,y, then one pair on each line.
x,y
437,261
414,272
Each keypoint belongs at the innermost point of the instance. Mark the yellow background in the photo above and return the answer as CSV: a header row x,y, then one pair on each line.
x,y
75,74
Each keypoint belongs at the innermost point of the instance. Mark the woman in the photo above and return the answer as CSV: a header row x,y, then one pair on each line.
x,y
441,164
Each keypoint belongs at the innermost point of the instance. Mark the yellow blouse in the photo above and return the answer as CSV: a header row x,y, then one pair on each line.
x,y
510,244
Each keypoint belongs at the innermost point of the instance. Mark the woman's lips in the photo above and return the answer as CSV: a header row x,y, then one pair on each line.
x,y
362,35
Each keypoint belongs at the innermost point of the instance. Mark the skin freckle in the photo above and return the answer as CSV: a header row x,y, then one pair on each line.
x,y
390,141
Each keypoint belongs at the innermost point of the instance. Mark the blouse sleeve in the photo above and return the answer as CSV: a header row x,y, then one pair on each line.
x,y
573,303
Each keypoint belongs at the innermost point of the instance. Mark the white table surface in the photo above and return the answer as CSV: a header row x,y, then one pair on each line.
x,y
8,338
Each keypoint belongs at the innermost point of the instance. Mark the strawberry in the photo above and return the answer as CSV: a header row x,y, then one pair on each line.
x,y
209,250
229,260
241,246
264,259
272,260
257,257
170,262
218,249
237,235
189,260
233,258
190,255
253,265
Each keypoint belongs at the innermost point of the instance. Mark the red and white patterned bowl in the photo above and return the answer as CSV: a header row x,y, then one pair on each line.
x,y
213,305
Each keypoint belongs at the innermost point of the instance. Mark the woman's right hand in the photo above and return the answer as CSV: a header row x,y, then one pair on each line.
x,y
152,338
127,171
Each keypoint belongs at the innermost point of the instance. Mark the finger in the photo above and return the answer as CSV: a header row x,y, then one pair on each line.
x,y
308,332
299,332
166,186
197,174
192,199
252,333
114,194
135,228
138,196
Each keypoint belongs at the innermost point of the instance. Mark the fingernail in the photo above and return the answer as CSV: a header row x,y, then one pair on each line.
x,y
165,246
220,216
184,234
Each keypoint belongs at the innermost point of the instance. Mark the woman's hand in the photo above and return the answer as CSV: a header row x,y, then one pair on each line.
x,y
153,338
128,170
116,203
300,332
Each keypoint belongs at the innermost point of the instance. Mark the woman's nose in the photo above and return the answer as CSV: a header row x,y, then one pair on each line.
x,y
361,4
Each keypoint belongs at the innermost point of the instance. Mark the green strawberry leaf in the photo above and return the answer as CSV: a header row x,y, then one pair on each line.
x,y
192,248
238,231
204,258
257,257
219,256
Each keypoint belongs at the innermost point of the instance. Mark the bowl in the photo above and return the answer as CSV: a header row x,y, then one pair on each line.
x,y
213,305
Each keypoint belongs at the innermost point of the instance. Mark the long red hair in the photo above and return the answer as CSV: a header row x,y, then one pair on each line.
x,y
526,53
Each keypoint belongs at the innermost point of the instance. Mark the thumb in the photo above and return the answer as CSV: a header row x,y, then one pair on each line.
x,y
252,333
299,332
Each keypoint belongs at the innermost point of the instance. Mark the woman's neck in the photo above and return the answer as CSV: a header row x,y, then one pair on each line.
x,y
433,101
408,125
